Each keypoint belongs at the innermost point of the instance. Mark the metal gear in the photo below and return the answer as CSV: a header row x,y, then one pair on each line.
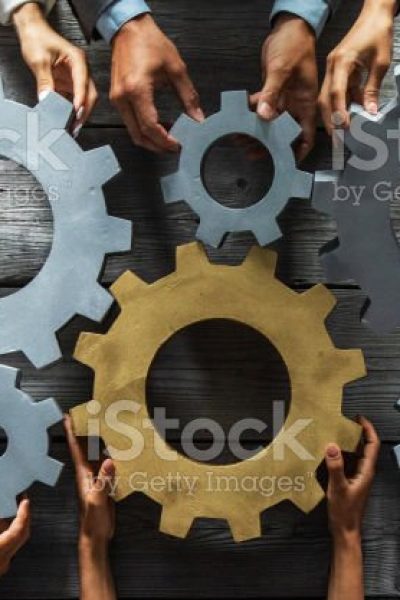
x,y
83,231
198,291
366,249
25,459
196,138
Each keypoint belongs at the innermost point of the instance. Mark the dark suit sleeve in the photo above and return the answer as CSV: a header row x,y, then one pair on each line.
x,y
87,13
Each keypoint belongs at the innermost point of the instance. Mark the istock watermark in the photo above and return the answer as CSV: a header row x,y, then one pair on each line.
x,y
123,417
37,147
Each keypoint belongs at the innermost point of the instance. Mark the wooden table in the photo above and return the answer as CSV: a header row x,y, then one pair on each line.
x,y
218,371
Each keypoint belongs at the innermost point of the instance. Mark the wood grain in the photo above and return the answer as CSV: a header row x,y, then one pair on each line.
x,y
149,564
221,43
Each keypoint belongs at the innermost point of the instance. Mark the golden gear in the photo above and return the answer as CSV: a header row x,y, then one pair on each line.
x,y
250,294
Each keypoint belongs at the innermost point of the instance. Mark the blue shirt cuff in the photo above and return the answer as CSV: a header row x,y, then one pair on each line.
x,y
117,14
315,12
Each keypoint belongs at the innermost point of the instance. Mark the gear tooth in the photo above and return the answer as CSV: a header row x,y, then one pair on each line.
x,y
379,319
396,453
302,185
95,303
310,497
334,266
9,378
286,127
48,471
352,142
261,259
245,529
175,521
348,435
101,165
355,109
127,286
183,128
397,404
190,257
8,506
267,232
50,412
323,191
320,300
1,89
172,188
55,112
235,101
79,417
85,347
210,234
43,350
353,366
119,235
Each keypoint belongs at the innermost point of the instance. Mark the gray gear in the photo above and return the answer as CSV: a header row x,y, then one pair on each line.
x,y
83,231
25,459
366,249
196,138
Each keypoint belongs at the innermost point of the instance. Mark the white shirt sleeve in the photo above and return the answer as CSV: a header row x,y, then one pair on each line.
x,y
7,7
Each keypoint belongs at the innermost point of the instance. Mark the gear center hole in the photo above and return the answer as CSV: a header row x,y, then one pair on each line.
x,y
26,225
237,171
225,372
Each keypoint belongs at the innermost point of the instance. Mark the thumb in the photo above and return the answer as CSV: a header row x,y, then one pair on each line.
x,y
267,107
335,466
44,78
372,88
105,479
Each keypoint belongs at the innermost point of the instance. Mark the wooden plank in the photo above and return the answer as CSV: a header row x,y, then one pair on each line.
x,y
26,220
148,564
221,44
186,381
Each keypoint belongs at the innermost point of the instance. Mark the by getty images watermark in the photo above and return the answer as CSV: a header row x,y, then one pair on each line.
x,y
124,417
182,483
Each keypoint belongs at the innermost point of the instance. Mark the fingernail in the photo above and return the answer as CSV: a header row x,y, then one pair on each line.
x,y
332,451
76,131
372,108
79,113
43,94
265,111
199,114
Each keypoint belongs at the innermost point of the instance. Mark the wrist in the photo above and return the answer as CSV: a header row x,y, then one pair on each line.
x,y
136,25
295,22
95,550
346,538
27,15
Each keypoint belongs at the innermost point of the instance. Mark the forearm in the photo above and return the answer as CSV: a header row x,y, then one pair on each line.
x,y
96,580
346,579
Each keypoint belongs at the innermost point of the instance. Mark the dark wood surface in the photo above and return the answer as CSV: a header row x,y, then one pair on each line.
x,y
221,43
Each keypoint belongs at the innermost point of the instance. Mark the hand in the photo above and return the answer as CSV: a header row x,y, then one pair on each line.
x,y
290,77
55,63
15,535
347,498
144,59
97,511
366,47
